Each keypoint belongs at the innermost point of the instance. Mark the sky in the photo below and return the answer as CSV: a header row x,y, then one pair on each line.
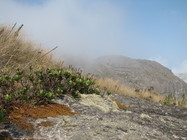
x,y
142,29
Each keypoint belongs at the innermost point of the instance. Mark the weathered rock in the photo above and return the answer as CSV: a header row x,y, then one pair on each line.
x,y
101,118
4,135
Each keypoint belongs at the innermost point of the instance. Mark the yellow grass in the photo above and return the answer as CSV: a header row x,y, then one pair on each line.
x,y
115,86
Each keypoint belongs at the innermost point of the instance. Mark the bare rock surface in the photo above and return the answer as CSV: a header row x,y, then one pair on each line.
x,y
100,118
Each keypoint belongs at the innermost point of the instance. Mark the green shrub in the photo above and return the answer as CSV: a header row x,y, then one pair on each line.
x,y
40,86
169,99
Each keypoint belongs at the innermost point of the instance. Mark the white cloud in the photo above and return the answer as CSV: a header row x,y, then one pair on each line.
x,y
182,68
160,60
77,27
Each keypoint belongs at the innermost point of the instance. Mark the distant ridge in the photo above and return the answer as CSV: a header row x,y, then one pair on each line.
x,y
136,73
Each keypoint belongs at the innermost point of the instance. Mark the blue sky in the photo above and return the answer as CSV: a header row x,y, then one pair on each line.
x,y
145,29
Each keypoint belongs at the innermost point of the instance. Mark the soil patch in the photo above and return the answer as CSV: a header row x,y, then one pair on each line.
x,y
21,113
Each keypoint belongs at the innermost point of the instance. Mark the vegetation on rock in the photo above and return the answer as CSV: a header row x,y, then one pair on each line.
x,y
40,86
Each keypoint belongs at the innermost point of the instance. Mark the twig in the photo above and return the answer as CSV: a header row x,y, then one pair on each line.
x,y
49,51
14,26
40,57
8,61
17,32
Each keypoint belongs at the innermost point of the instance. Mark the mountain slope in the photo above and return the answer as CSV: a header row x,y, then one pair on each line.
x,y
138,74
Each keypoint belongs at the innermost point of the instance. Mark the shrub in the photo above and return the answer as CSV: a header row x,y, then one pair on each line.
x,y
40,86
170,99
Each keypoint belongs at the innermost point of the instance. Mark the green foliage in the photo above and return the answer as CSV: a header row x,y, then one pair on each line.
x,y
2,114
169,99
183,101
8,97
39,86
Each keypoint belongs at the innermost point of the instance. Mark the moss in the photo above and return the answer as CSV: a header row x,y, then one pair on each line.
x,y
121,106
20,113
46,124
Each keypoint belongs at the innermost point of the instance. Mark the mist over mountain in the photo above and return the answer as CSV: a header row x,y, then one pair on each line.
x,y
183,76
135,73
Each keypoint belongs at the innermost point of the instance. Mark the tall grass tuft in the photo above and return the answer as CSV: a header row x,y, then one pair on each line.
x,y
15,51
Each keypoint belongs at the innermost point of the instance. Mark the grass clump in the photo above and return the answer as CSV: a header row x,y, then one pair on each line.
x,y
171,99
16,51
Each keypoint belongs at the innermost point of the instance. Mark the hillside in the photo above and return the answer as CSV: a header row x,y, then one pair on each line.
x,y
137,73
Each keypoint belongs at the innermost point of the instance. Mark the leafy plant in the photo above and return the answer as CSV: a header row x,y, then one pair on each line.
x,y
40,86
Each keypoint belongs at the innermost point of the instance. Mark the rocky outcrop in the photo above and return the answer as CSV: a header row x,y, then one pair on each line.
x,y
114,117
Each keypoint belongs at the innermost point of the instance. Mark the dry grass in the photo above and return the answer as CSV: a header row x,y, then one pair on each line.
x,y
115,86
15,51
